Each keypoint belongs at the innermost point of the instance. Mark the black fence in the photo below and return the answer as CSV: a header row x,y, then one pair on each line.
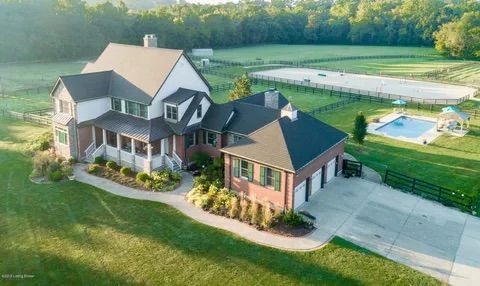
x,y
430,191
352,168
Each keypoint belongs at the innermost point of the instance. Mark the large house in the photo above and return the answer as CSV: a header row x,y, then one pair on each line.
x,y
149,108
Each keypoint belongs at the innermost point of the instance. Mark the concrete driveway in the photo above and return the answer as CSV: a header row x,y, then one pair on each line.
x,y
427,236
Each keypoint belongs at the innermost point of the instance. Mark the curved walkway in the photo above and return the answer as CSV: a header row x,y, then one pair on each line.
x,y
177,200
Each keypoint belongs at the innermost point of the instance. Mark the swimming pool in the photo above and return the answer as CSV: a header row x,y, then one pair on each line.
x,y
407,127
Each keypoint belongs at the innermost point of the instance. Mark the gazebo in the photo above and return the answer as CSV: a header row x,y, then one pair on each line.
x,y
451,116
400,103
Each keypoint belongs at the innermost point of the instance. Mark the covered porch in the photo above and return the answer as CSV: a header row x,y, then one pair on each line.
x,y
136,143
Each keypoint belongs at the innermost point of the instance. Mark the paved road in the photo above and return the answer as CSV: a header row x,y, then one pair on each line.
x,y
427,236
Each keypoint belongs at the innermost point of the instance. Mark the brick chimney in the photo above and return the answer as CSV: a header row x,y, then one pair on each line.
x,y
150,41
271,98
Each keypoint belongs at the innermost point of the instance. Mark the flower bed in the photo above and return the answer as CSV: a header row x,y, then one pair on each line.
x,y
47,166
158,181
211,197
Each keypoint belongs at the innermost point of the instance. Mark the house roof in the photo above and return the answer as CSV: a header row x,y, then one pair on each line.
x,y
217,116
180,96
282,143
87,86
145,68
259,99
135,127
181,127
62,118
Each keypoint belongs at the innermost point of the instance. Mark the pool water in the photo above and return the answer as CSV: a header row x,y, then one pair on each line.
x,y
407,127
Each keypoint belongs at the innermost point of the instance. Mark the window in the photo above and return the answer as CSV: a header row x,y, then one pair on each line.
x,y
244,169
111,138
212,139
136,109
172,112
63,106
61,136
189,140
270,178
117,104
199,111
236,138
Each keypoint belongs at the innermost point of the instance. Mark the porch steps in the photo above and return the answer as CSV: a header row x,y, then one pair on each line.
x,y
176,167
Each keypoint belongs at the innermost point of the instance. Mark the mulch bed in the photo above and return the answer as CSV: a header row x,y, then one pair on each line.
x,y
117,177
281,228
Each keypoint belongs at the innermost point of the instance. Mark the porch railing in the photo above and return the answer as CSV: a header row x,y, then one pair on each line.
x,y
89,151
100,151
177,159
157,161
168,162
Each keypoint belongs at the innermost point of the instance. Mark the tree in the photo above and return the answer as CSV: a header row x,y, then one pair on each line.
x,y
241,88
360,128
460,38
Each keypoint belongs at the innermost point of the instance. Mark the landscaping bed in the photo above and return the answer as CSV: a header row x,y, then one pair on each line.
x,y
158,181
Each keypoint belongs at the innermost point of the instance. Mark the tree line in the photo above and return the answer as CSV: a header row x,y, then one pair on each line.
x,y
52,29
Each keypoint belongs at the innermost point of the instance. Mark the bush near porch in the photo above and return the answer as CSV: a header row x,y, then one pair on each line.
x,y
158,181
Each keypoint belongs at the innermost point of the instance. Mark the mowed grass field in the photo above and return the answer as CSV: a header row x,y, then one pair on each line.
x,y
304,52
70,233
26,102
32,75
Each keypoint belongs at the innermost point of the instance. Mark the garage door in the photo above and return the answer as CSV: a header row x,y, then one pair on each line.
x,y
316,181
331,170
300,194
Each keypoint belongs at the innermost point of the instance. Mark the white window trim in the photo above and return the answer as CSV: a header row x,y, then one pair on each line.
x,y
171,105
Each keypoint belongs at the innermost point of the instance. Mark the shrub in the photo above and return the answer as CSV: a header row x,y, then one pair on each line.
x,y
54,167
234,205
55,176
141,177
267,215
197,197
211,196
176,177
148,184
72,160
244,205
99,160
112,165
255,213
126,171
201,159
93,168
41,162
292,218
41,143
67,171
222,200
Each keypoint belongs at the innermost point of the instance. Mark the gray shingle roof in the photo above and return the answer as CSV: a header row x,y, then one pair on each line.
x,y
88,85
259,99
216,117
281,144
62,118
135,127
181,95
181,127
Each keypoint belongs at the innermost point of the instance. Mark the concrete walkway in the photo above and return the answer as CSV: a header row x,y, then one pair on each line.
x,y
177,200
437,240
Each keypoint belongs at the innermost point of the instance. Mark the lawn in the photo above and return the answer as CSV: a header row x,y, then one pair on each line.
x,y
70,234
26,102
303,52
396,67
449,161
306,101
31,75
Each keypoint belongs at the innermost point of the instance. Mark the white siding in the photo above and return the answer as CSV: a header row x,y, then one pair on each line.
x,y
182,75
205,106
87,110
183,107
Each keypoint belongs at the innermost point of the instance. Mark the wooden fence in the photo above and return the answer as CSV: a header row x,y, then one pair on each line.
x,y
430,191
45,119
26,91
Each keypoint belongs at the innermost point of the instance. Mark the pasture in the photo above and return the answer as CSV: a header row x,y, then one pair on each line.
x,y
306,52
70,233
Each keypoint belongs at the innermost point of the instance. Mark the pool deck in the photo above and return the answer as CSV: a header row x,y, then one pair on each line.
x,y
429,136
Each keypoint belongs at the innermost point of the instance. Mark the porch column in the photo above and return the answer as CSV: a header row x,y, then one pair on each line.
x,y
119,143
162,147
149,152
133,146
174,143
104,136
94,139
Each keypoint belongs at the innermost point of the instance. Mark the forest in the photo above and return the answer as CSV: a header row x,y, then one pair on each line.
x,y
70,29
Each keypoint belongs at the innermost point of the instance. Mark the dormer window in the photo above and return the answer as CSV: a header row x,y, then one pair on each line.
x,y
116,104
172,112
199,111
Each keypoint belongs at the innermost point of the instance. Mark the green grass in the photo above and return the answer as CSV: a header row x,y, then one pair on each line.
x,y
71,233
31,75
396,67
449,161
303,52
26,102
305,101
